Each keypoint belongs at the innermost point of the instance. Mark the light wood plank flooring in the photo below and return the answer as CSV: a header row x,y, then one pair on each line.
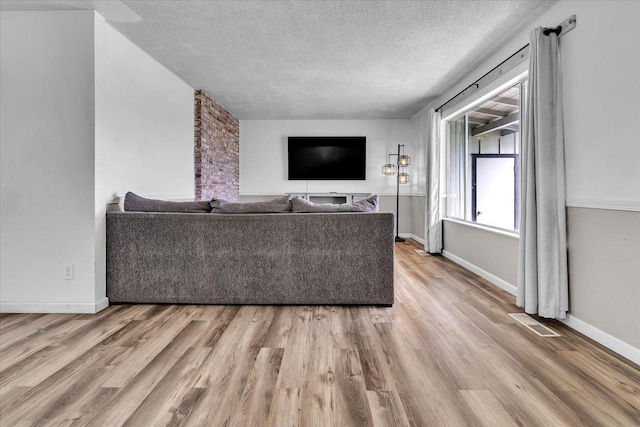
x,y
446,354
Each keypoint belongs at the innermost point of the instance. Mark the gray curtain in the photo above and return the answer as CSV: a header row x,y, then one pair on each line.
x,y
542,260
433,224
456,141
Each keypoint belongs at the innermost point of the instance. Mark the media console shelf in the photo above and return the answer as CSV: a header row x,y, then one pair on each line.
x,y
335,198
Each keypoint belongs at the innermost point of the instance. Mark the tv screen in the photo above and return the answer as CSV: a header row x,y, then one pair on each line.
x,y
327,157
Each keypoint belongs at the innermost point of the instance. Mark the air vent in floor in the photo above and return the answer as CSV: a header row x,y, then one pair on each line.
x,y
534,325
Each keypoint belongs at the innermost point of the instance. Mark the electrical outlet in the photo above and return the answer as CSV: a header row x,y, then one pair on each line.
x,y
68,272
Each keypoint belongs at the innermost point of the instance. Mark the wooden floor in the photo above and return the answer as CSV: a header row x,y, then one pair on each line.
x,y
446,354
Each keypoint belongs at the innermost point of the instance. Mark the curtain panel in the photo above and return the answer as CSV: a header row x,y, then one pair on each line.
x,y
433,223
542,286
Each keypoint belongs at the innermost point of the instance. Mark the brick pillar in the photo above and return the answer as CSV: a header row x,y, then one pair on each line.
x,y
216,151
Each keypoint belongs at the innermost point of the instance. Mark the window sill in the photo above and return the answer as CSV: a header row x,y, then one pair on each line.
x,y
495,230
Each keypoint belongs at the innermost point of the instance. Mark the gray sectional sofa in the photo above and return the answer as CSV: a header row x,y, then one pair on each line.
x,y
283,258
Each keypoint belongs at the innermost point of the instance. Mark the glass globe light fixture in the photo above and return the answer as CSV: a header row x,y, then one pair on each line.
x,y
389,169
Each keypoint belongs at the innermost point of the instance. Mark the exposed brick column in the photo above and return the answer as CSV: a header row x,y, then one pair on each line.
x,y
217,150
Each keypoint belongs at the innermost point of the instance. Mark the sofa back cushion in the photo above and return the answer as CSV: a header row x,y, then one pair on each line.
x,y
135,203
280,205
300,205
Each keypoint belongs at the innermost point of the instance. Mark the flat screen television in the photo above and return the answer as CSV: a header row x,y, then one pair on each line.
x,y
327,157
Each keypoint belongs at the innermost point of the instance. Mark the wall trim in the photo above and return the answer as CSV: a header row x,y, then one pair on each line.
x,y
615,344
482,227
412,236
502,284
609,341
102,304
616,205
115,200
54,307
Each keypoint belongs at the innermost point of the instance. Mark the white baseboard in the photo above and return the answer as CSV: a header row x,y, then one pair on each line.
x,y
601,337
54,307
412,236
102,304
502,284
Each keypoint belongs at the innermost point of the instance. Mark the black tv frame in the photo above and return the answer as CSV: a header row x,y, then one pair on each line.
x,y
356,170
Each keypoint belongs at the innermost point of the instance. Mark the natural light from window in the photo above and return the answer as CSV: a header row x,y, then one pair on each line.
x,y
483,161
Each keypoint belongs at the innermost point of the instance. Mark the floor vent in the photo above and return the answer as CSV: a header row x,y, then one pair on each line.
x,y
534,325
420,252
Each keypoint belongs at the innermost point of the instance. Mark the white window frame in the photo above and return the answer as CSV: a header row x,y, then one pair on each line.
x,y
499,86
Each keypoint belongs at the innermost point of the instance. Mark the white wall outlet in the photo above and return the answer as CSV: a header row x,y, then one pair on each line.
x,y
68,272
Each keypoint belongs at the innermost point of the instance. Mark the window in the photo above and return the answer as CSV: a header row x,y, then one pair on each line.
x,y
483,161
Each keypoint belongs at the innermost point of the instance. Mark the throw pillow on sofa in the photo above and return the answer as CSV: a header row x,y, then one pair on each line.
x,y
135,203
300,205
279,205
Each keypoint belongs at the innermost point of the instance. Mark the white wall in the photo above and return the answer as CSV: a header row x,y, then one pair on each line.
x,y
600,65
263,154
601,62
47,159
145,117
86,115
263,162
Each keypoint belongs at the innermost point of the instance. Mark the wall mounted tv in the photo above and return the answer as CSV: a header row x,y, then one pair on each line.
x,y
327,157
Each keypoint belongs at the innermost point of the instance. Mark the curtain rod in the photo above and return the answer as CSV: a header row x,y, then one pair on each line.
x,y
524,53
513,60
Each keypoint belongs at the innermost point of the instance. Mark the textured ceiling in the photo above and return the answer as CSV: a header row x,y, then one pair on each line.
x,y
324,59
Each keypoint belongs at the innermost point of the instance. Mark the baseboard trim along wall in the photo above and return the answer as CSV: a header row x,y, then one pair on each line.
x,y
502,284
412,236
612,343
601,337
54,307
